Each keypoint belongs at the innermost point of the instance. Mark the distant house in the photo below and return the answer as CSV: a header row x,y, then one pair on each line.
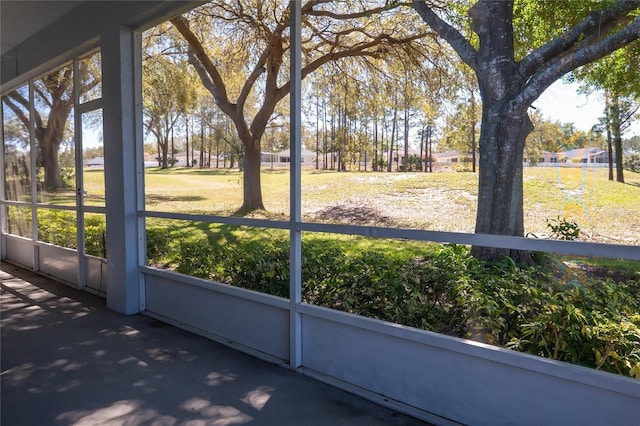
x,y
547,157
452,157
307,157
586,155
590,155
95,162
268,157
180,159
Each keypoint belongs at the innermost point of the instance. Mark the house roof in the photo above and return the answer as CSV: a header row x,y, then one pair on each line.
x,y
582,152
450,154
96,160
304,152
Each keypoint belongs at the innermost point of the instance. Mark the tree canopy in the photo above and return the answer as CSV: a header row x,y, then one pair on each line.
x,y
254,35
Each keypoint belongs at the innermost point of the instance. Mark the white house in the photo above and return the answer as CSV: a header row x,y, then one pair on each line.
x,y
281,158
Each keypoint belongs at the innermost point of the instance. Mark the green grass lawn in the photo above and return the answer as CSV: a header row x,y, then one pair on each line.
x,y
605,211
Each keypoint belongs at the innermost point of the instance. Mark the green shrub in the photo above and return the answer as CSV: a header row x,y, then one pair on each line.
x,y
563,229
95,236
158,244
370,284
260,265
322,272
442,293
549,310
197,257
632,163
57,227
506,296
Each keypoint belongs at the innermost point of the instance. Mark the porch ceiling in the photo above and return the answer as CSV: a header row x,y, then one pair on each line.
x,y
19,20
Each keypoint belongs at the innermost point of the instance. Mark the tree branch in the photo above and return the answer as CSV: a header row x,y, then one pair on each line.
x,y
447,32
582,56
17,110
214,81
593,25
353,15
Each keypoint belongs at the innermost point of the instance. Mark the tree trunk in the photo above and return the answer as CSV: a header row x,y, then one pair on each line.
x,y
50,147
406,138
473,131
505,126
607,110
500,195
251,182
374,166
187,140
165,148
610,151
616,124
317,130
421,162
617,142
393,135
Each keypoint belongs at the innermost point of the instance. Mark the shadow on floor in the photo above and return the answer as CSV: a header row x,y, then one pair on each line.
x,y
67,360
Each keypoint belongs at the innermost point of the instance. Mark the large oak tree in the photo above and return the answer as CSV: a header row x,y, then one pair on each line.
x,y
508,86
54,102
255,34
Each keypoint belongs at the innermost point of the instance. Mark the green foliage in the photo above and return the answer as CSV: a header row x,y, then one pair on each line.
x,y
260,265
632,163
95,236
507,296
549,310
563,229
68,176
57,227
591,322
441,292
197,257
158,244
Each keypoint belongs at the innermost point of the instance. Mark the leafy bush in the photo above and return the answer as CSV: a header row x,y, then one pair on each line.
x,y
563,229
260,265
549,310
197,257
632,163
442,293
158,244
593,323
95,236
57,227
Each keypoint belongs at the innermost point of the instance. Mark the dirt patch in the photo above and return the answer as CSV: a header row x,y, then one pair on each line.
x,y
354,215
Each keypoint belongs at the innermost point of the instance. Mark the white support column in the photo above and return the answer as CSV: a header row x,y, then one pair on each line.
x,y
120,85
79,147
34,179
295,255
3,189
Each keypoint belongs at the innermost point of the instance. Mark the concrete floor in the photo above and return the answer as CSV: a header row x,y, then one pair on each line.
x,y
67,360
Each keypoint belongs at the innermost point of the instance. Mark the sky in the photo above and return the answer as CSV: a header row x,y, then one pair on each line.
x,y
562,102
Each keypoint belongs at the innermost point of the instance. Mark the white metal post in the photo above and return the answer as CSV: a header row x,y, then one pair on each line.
x,y
119,109
34,179
295,255
139,165
3,188
77,133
